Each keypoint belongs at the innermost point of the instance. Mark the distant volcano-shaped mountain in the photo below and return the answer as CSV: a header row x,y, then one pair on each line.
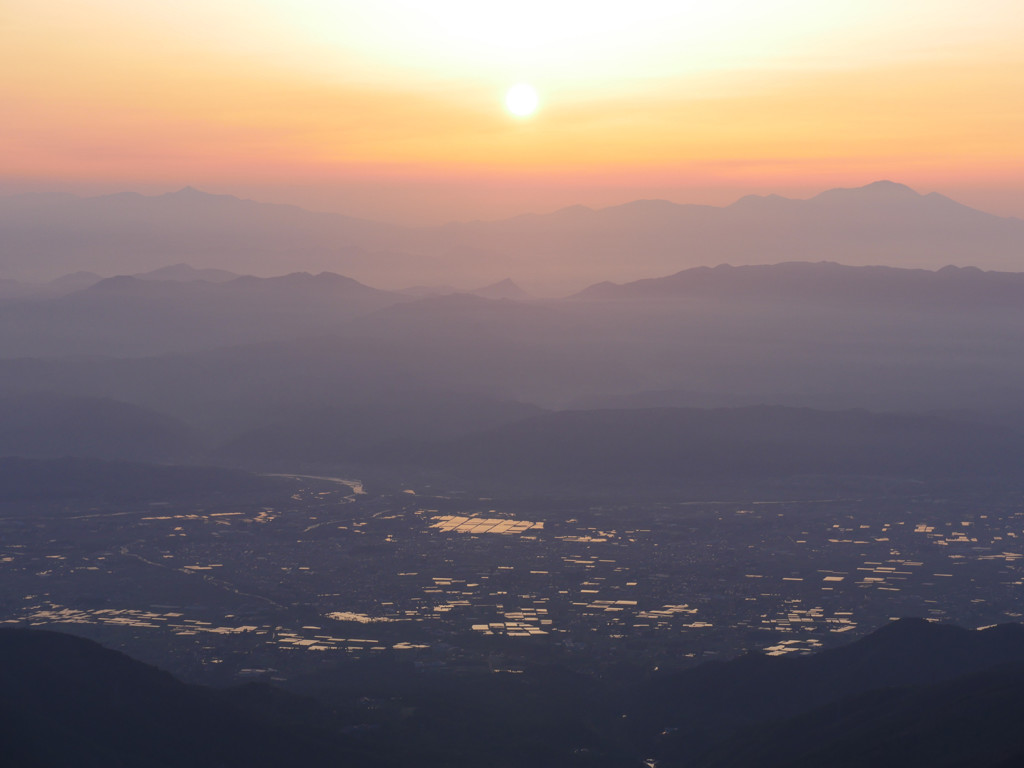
x,y
881,223
503,289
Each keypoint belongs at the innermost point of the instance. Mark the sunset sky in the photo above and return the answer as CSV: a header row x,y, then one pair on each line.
x,y
396,109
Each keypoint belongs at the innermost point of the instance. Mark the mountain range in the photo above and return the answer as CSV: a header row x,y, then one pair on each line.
x,y
826,283
313,370
46,236
155,314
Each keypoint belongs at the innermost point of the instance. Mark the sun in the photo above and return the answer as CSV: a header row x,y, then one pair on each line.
x,y
522,100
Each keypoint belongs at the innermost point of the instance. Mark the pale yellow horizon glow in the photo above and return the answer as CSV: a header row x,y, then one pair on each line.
x,y
752,95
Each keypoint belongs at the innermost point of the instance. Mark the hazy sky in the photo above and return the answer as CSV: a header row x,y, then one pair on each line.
x,y
395,109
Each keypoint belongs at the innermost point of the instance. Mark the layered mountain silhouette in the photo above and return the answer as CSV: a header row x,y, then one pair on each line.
x,y
183,273
150,314
884,222
503,289
339,369
881,223
130,233
250,369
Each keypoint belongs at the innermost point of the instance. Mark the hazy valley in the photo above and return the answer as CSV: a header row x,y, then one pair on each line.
x,y
666,516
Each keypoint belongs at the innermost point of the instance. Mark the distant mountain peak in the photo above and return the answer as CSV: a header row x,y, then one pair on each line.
x,y
503,289
812,281
876,190
116,283
572,210
752,200
647,205
883,190
886,184
198,196
182,272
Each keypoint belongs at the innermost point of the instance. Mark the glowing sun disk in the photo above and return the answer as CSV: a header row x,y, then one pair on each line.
x,y
521,100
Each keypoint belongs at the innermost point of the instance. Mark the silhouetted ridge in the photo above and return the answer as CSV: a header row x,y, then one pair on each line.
x,y
879,223
877,189
971,721
182,272
503,289
138,315
715,702
827,283
65,701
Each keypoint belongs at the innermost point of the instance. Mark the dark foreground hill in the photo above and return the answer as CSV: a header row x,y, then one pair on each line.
x,y
913,694
65,701
758,700
973,721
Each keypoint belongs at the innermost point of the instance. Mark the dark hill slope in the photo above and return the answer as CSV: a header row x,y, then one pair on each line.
x,y
971,721
65,701
710,704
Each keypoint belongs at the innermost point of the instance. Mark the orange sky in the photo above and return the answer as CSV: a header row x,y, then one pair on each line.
x,y
395,110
